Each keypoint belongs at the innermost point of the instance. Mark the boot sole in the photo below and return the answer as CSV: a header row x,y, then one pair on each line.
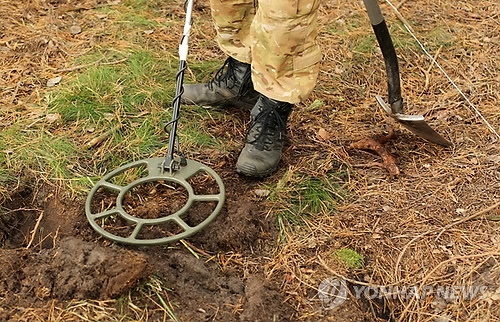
x,y
223,104
250,171
238,104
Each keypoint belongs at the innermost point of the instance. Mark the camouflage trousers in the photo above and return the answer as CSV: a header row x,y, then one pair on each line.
x,y
278,37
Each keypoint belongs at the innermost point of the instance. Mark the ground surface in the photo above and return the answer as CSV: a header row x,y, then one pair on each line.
x,y
328,210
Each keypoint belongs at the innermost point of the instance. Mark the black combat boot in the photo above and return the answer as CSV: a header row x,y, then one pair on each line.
x,y
265,138
231,86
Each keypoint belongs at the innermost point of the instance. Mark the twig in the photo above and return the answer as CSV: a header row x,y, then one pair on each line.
x,y
68,8
40,243
396,269
136,116
201,251
19,209
400,16
70,54
54,239
369,165
70,69
102,137
50,315
96,63
16,90
435,58
33,232
482,212
401,4
115,62
427,72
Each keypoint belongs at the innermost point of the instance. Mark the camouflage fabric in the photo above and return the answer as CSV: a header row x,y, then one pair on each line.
x,y
278,37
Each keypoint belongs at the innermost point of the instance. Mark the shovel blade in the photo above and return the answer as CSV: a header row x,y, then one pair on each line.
x,y
422,129
415,124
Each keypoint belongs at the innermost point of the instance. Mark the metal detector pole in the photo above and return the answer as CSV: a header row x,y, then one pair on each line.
x,y
170,164
168,169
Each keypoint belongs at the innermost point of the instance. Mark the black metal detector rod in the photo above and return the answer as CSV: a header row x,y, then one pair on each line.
x,y
390,58
176,170
169,159
170,163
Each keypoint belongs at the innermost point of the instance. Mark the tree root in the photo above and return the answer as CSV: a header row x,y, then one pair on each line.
x,y
377,145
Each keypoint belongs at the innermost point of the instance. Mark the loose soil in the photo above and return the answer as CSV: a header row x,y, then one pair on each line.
x,y
72,269
67,260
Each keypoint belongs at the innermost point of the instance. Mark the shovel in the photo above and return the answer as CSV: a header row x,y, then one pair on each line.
x,y
414,123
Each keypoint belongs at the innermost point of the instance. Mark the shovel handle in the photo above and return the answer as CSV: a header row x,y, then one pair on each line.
x,y
390,58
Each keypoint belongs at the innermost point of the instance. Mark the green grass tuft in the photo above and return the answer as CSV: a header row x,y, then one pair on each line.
x,y
365,44
350,257
298,197
123,105
143,82
439,37
39,151
155,290
89,97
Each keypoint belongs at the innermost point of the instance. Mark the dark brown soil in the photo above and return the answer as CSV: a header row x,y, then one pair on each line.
x,y
204,293
67,260
155,200
240,227
74,269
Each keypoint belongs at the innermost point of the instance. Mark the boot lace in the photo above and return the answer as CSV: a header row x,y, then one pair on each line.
x,y
267,127
226,74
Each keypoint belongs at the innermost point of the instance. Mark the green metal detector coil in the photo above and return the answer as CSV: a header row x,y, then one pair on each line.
x,y
174,169
156,172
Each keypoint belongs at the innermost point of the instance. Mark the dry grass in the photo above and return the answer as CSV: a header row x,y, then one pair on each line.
x,y
411,230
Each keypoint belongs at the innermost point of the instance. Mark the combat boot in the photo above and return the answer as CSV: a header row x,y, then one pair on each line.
x,y
231,86
265,138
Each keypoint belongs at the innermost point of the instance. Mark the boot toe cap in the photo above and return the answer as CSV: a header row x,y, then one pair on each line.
x,y
256,163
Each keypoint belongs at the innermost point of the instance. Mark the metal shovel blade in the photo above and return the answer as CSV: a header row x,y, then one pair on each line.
x,y
415,123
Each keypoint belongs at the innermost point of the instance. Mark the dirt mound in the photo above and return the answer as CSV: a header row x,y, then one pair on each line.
x,y
241,226
73,270
205,293
261,301
67,260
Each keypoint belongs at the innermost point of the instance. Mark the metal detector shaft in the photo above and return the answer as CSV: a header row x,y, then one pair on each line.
x,y
168,227
390,57
170,164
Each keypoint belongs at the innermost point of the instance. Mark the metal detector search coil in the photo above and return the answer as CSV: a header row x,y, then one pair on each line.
x,y
174,169
155,173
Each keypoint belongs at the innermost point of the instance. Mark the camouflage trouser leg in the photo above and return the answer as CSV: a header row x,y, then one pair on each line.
x,y
233,19
285,56
278,39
